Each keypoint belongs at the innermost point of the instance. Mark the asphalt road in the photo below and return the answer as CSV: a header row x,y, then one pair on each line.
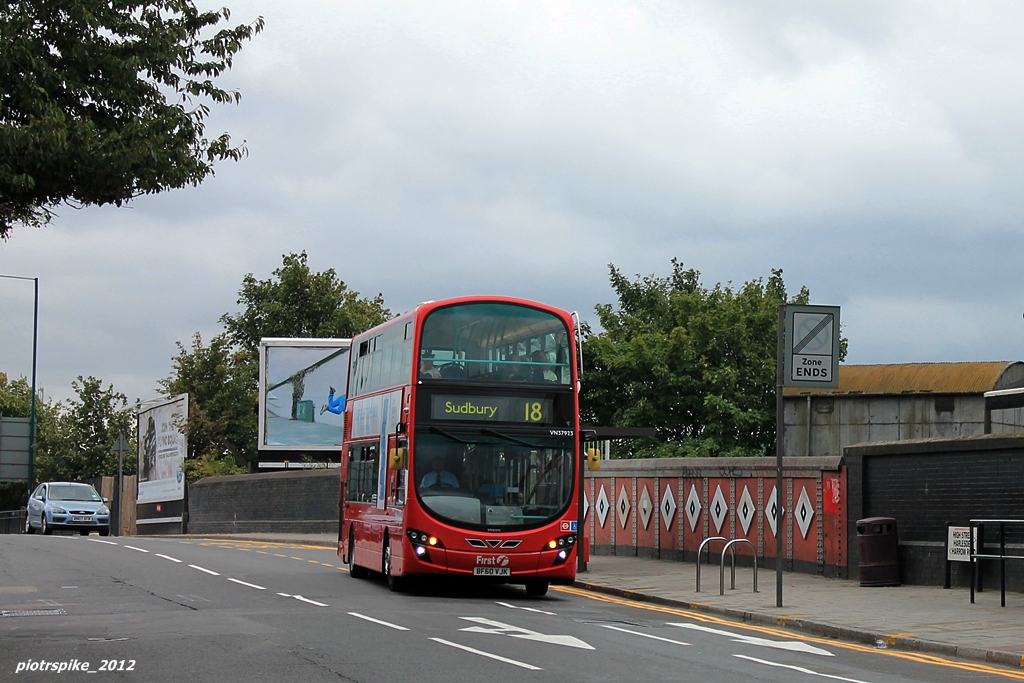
x,y
150,609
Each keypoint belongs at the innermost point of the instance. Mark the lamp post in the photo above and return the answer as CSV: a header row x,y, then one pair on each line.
x,y
32,409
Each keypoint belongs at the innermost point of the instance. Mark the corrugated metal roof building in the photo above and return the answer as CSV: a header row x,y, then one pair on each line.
x,y
897,402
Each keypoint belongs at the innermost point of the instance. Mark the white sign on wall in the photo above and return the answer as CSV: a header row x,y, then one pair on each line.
x,y
958,544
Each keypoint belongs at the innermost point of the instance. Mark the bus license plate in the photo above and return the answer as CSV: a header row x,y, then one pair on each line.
x,y
492,571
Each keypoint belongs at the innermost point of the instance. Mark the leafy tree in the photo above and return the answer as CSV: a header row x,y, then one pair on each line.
x,y
221,384
105,100
300,303
697,364
85,429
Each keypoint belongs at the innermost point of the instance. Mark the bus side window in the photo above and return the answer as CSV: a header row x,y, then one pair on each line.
x,y
362,473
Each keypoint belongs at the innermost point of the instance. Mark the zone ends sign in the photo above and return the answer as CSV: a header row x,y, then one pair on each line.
x,y
812,347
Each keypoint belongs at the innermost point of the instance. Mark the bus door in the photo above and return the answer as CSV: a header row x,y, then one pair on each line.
x,y
398,469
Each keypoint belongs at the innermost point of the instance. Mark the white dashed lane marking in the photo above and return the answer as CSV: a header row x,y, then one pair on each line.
x,y
204,569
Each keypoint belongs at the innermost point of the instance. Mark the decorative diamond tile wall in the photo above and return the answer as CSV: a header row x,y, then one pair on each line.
x,y
668,507
719,509
602,506
693,508
623,506
745,510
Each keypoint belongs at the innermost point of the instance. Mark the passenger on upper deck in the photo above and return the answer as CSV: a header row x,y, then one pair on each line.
x,y
542,373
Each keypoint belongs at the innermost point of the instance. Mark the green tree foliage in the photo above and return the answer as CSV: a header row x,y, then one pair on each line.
x,y
697,364
85,429
297,302
221,378
105,100
221,384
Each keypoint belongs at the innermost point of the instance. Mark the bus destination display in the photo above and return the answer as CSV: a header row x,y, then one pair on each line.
x,y
492,409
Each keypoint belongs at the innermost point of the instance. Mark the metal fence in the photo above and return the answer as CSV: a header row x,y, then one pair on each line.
x,y
12,521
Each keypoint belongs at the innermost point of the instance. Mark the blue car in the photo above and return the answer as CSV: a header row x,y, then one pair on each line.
x,y
63,505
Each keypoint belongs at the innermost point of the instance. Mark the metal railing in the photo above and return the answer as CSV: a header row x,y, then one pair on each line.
x,y
701,549
12,521
729,548
978,553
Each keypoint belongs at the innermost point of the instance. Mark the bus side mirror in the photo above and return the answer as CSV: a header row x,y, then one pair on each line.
x,y
396,458
593,459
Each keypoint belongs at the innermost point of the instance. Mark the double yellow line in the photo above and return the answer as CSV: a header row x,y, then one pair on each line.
x,y
709,619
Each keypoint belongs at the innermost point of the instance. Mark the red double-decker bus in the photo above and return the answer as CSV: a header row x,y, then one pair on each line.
x,y
461,447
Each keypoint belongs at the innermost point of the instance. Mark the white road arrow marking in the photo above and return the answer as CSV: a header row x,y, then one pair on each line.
x,y
501,629
311,602
800,669
489,655
645,635
379,621
528,609
791,645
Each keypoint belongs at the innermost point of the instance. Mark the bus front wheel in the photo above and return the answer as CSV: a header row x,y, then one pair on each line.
x,y
536,588
354,570
395,583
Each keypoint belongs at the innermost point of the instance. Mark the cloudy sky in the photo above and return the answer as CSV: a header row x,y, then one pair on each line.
x,y
428,149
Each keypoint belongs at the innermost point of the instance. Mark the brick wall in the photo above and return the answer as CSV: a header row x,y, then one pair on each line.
x,y
303,501
926,483
690,499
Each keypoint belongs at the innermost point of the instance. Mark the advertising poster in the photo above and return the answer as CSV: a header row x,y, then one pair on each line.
x,y
303,387
162,450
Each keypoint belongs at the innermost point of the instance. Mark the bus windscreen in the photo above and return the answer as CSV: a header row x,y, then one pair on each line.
x,y
495,342
493,480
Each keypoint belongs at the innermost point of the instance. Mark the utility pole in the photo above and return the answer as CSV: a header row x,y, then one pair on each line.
x,y
120,447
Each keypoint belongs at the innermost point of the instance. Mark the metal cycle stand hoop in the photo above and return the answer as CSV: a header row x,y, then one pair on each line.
x,y
729,548
701,549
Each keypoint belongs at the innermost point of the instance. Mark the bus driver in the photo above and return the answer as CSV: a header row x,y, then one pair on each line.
x,y
438,476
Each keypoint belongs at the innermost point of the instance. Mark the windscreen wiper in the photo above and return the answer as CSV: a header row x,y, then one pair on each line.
x,y
452,437
491,432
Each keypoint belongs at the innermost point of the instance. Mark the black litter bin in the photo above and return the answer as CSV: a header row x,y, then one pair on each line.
x,y
879,550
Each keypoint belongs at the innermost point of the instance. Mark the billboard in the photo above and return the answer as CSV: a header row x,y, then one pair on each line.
x,y
303,386
162,449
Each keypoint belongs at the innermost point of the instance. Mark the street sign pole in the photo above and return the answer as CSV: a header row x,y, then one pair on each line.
x,y
808,356
780,426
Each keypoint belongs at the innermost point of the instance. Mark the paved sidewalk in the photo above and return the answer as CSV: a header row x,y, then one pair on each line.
x,y
918,618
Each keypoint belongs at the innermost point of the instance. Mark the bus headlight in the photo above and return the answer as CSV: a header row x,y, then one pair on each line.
x,y
421,542
564,546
